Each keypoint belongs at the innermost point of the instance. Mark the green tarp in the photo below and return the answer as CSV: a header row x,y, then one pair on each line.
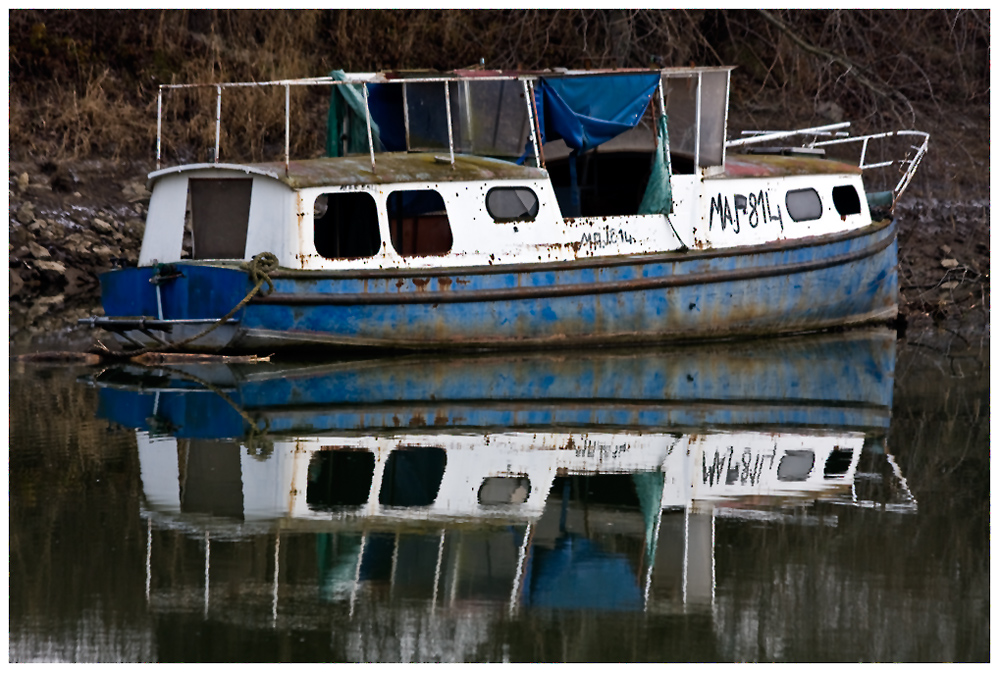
x,y
348,100
658,197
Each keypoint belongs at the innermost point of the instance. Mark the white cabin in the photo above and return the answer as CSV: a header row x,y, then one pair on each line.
x,y
447,200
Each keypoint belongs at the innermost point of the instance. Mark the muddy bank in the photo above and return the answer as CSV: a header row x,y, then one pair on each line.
x,y
71,222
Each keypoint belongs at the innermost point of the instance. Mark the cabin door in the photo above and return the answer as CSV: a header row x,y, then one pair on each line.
x,y
220,211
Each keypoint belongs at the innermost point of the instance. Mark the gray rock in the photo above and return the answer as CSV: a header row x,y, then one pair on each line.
x,y
38,251
102,226
26,213
45,265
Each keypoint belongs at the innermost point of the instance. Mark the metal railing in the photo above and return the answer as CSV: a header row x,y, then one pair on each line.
x,y
526,79
907,165
361,79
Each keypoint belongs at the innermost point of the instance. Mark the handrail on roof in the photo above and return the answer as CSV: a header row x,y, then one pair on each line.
x,y
527,78
907,164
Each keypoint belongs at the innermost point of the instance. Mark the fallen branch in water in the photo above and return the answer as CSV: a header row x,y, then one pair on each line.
x,y
103,357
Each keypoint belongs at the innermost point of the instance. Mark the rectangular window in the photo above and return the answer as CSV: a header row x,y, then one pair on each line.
x,y
418,223
220,213
345,225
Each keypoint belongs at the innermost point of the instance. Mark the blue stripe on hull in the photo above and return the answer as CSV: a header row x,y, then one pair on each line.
x,y
784,290
796,286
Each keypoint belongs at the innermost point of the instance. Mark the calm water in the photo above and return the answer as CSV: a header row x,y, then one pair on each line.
x,y
809,499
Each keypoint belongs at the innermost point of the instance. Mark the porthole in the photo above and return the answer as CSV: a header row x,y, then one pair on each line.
x,y
512,204
846,200
803,205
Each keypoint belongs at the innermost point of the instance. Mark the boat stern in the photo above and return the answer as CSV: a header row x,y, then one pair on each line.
x,y
159,306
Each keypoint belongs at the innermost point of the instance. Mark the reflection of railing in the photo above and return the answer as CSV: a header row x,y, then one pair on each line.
x,y
908,164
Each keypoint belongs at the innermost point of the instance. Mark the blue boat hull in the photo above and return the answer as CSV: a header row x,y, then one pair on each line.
x,y
791,286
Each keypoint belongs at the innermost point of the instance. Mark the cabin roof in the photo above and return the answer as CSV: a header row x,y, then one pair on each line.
x,y
398,167
773,165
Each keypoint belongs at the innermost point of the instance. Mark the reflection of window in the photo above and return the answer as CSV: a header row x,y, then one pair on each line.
x,y
795,465
510,204
803,205
339,478
504,491
345,225
418,223
838,463
846,200
412,476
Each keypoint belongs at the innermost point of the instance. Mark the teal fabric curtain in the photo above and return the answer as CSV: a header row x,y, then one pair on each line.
x,y
658,197
348,101
649,488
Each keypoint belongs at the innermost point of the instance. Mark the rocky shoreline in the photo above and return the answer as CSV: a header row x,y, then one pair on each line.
x,y
71,222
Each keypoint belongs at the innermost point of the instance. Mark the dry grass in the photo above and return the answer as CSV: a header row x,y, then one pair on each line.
x,y
83,83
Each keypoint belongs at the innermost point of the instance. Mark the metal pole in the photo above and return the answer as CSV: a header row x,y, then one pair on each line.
x,y
666,139
368,120
536,132
159,123
451,141
218,120
287,115
697,128
406,117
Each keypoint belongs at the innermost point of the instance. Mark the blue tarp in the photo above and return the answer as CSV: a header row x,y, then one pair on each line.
x,y
587,111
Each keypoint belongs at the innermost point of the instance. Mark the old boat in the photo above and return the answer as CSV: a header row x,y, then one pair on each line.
x,y
480,209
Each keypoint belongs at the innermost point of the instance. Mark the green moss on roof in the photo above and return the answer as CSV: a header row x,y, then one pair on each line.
x,y
396,168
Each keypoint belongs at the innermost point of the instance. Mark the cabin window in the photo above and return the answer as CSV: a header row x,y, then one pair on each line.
x,y
846,200
512,204
345,225
796,465
339,477
504,491
418,223
412,476
220,213
803,205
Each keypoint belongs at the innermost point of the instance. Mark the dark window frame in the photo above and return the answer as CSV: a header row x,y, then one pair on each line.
x,y
529,216
807,217
361,238
415,230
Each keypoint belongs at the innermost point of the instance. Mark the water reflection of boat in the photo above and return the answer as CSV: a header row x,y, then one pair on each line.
x,y
561,468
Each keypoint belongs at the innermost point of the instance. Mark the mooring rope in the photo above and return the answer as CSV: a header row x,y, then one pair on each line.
x,y
257,269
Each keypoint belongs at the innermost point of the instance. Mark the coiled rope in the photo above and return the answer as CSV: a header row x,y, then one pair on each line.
x,y
257,269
